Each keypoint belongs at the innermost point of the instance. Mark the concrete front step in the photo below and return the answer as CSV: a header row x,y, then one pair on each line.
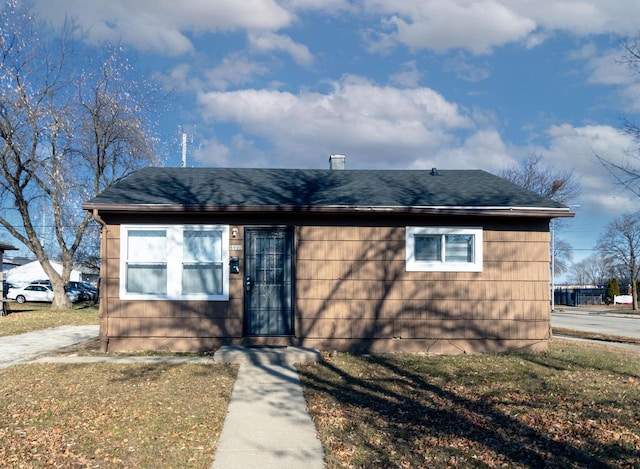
x,y
266,355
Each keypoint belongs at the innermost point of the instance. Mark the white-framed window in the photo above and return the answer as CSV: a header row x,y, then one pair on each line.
x,y
443,249
174,262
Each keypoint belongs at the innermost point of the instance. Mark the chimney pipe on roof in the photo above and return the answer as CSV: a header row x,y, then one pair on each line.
x,y
336,162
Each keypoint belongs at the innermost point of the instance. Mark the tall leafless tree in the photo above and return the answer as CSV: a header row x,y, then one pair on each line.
x,y
620,245
593,270
71,125
543,179
560,186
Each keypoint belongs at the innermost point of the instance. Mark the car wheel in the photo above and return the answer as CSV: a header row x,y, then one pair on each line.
x,y
20,299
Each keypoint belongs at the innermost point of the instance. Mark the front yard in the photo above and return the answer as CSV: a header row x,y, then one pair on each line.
x,y
575,406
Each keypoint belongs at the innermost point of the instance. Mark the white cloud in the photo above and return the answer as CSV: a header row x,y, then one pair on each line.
x,y
266,42
234,69
160,25
483,149
477,26
409,76
380,125
604,68
210,152
480,26
467,70
575,149
611,68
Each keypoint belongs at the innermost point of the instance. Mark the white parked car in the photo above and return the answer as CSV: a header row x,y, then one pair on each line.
x,y
36,292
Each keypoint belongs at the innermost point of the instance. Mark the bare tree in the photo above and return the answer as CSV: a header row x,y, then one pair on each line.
x,y
620,245
563,255
534,175
559,186
593,270
66,132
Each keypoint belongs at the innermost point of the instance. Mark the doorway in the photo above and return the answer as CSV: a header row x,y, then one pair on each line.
x,y
268,282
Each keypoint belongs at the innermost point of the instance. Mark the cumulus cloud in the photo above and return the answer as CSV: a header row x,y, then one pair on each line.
x,y
409,76
235,69
483,25
576,149
484,149
266,42
381,124
160,25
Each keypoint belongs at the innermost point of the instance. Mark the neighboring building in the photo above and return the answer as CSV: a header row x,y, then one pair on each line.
x,y
3,247
32,271
432,261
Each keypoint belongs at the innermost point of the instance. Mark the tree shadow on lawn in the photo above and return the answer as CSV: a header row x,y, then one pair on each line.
x,y
413,415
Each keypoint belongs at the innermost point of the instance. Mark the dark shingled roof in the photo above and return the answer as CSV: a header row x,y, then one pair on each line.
x,y
228,188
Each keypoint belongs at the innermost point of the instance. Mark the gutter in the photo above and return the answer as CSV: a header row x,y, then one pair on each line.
x,y
538,212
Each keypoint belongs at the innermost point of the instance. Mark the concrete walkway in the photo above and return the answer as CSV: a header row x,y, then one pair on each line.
x,y
267,425
23,347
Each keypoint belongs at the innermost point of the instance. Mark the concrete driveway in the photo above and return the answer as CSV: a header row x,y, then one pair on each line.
x,y
16,349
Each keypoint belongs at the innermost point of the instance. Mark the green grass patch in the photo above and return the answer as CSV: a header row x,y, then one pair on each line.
x,y
29,317
113,416
577,405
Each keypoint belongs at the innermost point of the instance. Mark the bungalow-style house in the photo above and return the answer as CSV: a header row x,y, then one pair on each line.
x,y
433,261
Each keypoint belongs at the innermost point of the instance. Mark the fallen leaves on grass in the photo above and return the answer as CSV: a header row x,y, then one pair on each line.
x,y
113,416
574,406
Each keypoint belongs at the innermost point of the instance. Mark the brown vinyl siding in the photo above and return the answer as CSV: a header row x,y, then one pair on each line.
x,y
353,293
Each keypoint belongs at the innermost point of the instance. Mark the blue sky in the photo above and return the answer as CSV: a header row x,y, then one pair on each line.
x,y
453,84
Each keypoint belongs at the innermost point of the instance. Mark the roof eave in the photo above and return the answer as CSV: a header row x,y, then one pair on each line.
x,y
538,212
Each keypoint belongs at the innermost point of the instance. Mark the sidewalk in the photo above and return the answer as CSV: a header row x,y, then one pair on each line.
x,y
16,349
267,424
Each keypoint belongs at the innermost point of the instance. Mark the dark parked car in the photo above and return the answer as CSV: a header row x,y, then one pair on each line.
x,y
86,291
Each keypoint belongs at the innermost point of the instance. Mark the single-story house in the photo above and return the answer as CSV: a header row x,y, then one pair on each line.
x,y
438,261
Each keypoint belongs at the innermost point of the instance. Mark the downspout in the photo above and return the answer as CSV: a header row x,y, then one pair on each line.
x,y
104,338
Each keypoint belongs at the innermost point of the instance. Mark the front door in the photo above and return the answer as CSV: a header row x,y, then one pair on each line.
x,y
268,282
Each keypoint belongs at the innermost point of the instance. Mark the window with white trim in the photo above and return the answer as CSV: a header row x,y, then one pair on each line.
x,y
443,249
174,262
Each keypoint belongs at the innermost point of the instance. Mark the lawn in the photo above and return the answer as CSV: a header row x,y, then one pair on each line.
x,y
113,416
576,405
28,317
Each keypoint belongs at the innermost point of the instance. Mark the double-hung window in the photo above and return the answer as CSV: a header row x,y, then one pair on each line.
x,y
443,249
174,262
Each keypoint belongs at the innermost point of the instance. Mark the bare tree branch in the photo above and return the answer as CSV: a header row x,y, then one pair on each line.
x,y
66,133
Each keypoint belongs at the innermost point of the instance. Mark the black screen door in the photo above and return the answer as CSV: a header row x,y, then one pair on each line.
x,y
268,298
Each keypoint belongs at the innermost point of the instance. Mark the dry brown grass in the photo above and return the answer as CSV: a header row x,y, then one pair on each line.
x,y
112,416
577,405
